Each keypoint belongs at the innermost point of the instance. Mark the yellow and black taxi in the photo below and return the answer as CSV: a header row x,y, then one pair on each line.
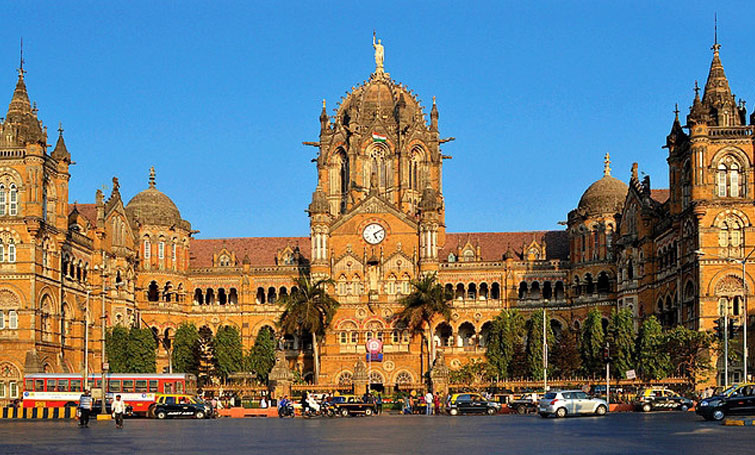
x,y
471,403
179,406
660,398
347,405
738,399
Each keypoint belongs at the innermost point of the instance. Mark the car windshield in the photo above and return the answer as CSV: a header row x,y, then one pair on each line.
x,y
549,396
729,391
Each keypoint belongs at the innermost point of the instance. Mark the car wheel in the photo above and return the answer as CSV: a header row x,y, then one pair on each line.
x,y
151,412
454,412
161,415
368,412
199,415
646,407
521,409
561,412
544,415
684,407
344,412
600,411
718,415
490,411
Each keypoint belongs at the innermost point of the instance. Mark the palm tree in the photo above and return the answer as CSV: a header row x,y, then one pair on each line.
x,y
427,299
309,308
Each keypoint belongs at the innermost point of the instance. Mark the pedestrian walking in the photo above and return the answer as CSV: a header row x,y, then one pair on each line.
x,y
119,408
429,403
436,403
85,408
379,403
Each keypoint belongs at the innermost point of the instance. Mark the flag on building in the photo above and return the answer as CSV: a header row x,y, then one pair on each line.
x,y
378,137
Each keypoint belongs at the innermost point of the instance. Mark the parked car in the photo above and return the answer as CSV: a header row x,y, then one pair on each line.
x,y
571,402
471,403
347,405
661,398
180,406
525,403
736,400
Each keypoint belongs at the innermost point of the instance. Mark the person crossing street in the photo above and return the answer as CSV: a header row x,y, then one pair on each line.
x,y
119,408
85,408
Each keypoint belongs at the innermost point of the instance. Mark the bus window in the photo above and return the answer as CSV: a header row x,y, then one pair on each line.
x,y
115,385
39,385
29,387
75,385
141,386
168,387
153,386
179,387
51,385
128,385
62,385
98,383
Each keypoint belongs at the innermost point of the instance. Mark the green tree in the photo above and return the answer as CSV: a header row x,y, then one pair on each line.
x,y
229,354
592,343
652,358
473,374
206,355
142,351
621,339
427,300
689,352
564,357
185,355
535,343
506,330
261,357
116,347
309,308
518,365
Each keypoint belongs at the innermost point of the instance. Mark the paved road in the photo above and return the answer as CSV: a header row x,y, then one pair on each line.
x,y
662,433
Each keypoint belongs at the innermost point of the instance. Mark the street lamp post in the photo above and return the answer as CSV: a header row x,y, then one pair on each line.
x,y
86,338
744,304
545,350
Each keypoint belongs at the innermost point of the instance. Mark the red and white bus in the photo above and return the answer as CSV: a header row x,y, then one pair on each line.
x,y
137,390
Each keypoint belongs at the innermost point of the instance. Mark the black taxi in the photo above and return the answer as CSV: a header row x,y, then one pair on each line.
x,y
738,399
471,403
171,406
661,398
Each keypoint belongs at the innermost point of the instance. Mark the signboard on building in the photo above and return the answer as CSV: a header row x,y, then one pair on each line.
x,y
631,374
374,357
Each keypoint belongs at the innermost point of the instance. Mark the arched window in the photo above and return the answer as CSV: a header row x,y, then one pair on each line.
x,y
3,201
198,297
222,298
233,297
729,180
13,200
495,291
731,236
12,319
153,292
11,252
415,170
147,249
2,251
260,296
161,250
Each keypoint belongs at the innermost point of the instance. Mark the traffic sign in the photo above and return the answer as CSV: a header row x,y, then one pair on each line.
x,y
374,346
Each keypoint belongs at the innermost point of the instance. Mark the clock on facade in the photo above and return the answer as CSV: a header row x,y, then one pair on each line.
x,y
374,233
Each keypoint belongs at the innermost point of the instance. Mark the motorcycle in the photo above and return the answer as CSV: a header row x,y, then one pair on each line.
x,y
313,409
286,410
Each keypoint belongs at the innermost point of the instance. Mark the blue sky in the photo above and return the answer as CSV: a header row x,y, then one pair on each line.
x,y
218,96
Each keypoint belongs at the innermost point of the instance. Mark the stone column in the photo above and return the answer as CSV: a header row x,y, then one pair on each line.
x,y
281,377
439,374
360,379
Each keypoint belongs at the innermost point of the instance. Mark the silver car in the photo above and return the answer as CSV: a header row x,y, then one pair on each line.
x,y
571,402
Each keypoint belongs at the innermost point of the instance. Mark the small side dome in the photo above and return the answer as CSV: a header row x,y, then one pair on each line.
x,y
606,195
153,207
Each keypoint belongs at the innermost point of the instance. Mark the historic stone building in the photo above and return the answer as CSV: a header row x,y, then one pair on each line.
x,y
377,221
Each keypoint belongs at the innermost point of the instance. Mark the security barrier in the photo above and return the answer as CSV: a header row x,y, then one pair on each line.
x,y
38,413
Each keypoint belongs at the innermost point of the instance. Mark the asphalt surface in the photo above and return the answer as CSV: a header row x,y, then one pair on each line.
x,y
637,433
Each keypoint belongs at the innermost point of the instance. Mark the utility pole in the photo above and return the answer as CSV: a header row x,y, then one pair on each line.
x,y
608,372
726,346
545,353
86,338
746,317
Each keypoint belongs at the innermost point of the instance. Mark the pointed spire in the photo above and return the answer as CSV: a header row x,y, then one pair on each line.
x,y
717,97
152,177
434,116
60,153
324,120
607,165
21,63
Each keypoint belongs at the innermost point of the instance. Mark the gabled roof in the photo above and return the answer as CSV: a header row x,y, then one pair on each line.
x,y
262,251
660,195
88,211
493,245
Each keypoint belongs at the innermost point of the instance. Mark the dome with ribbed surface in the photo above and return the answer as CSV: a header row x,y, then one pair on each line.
x,y
606,195
153,207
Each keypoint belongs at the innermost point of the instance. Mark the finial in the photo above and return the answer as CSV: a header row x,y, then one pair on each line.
x,y
676,111
433,100
21,64
379,54
152,177
697,89
607,165
60,128
716,46
323,103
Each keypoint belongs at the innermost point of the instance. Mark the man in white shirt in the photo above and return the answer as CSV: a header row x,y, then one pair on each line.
x,y
119,408
429,403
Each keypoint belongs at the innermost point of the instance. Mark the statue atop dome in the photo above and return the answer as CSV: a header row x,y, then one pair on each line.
x,y
379,54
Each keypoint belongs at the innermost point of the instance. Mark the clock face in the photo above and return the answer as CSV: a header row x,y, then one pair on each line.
x,y
373,234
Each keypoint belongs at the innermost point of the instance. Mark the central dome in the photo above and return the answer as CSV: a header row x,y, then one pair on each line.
x,y
378,97
153,207
607,195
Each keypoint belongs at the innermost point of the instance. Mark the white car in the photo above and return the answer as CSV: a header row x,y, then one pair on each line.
x,y
571,402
